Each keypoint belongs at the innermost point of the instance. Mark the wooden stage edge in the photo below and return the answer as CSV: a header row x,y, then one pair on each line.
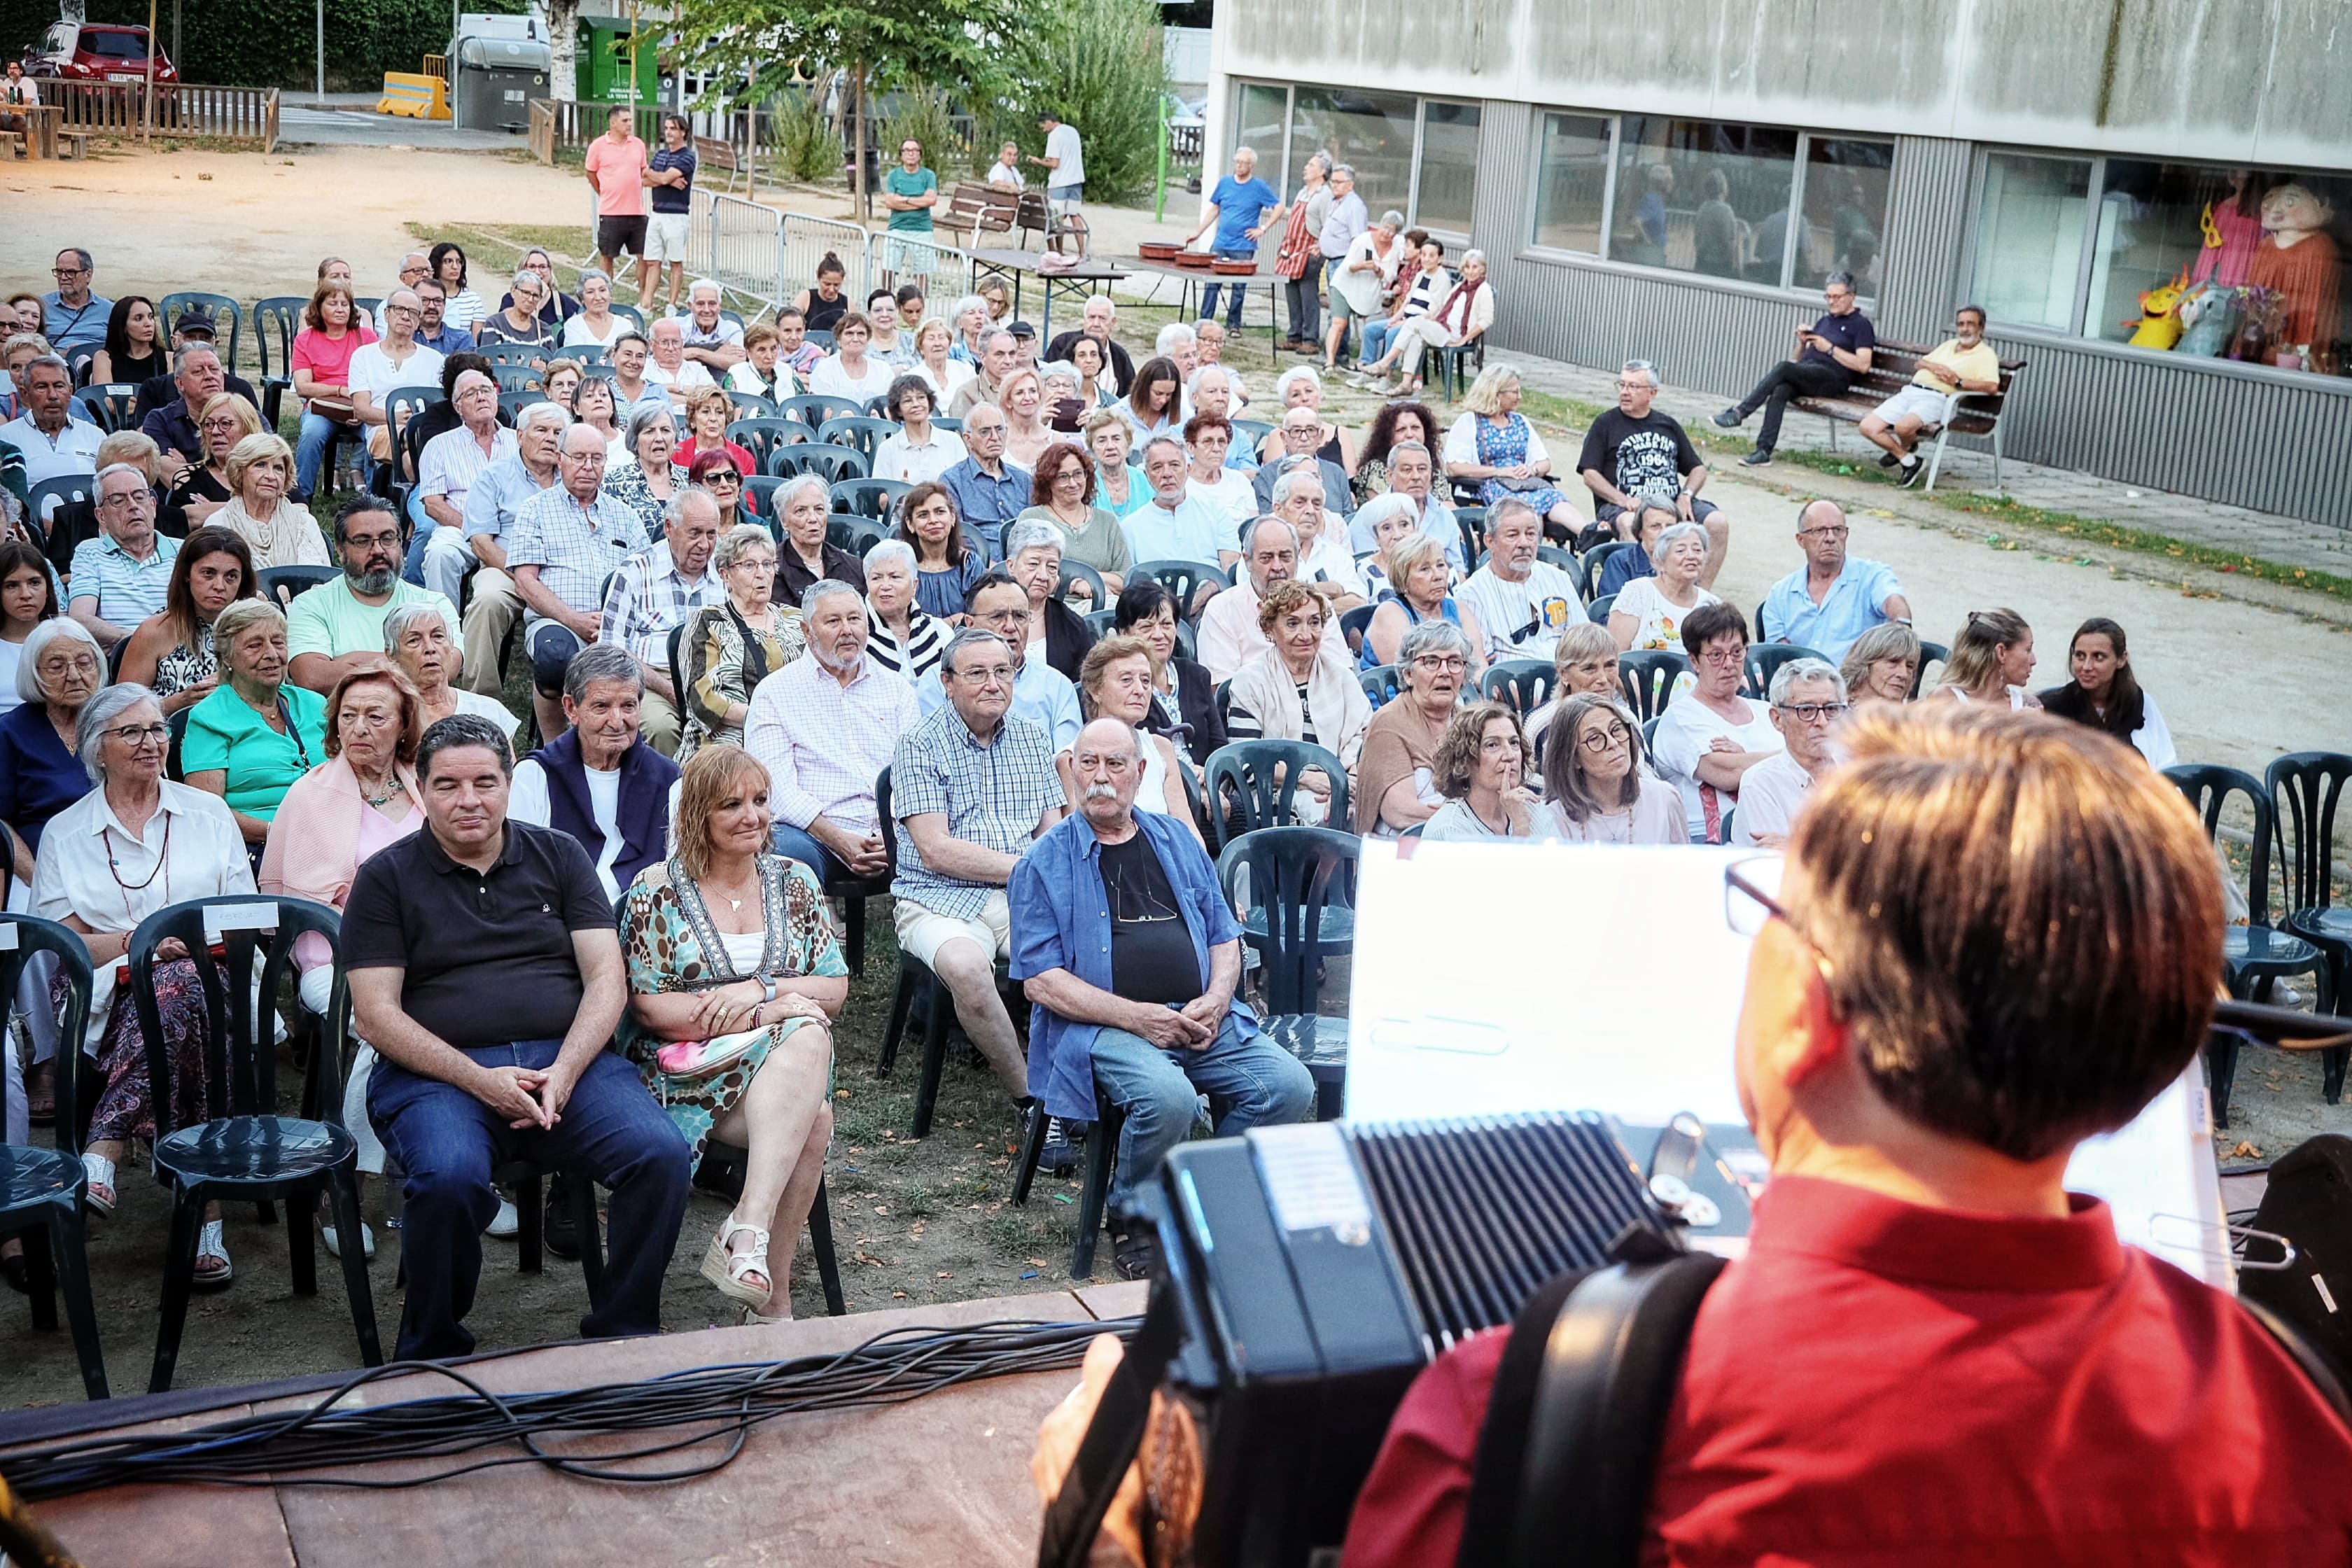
x,y
940,1479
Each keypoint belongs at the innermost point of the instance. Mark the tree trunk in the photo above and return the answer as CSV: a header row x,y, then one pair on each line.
x,y
862,198
564,51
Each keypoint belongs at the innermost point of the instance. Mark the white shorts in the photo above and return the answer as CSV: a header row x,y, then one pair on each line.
x,y
1924,403
665,237
922,932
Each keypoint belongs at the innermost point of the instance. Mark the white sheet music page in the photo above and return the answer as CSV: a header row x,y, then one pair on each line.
x,y
1497,978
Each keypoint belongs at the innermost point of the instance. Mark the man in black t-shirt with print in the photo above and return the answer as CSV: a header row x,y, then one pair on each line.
x,y
1827,357
1635,454
486,972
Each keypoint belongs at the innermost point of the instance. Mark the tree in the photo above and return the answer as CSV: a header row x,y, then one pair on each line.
x,y
564,49
969,45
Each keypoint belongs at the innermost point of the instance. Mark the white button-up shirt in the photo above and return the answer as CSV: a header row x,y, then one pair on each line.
x,y
825,743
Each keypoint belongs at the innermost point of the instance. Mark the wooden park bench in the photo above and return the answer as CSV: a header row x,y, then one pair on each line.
x,y
976,205
1034,214
710,153
1892,367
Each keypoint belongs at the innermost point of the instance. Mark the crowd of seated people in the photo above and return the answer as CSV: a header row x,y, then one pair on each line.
x,y
717,676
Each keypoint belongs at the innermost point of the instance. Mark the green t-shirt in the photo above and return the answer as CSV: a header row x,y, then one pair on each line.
x,y
225,732
329,618
921,183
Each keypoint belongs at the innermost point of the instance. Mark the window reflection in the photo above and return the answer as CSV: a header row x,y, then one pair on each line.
x,y
1697,196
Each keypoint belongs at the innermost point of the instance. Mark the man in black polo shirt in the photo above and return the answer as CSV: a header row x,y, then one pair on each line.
x,y
1826,358
486,972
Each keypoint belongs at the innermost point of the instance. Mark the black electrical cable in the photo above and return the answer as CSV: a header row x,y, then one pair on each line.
x,y
720,1404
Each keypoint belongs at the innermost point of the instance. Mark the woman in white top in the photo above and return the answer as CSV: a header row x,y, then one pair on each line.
x,y
1992,659
595,325
1650,611
918,451
1207,438
279,532
935,363
1300,387
1583,661
1116,681
1026,435
417,639
1362,277
1087,359
26,599
462,307
1708,737
1595,790
1481,770
849,372
2104,694
135,845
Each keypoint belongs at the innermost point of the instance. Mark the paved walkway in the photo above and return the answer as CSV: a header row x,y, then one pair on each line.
x,y
349,120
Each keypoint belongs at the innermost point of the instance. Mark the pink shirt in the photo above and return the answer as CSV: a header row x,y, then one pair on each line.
x,y
619,168
328,359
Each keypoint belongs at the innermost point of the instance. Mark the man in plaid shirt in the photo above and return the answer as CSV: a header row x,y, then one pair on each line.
x,y
970,788
565,541
656,591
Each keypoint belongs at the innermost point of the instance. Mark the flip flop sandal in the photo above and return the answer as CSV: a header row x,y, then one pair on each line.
x,y
99,1179
210,1243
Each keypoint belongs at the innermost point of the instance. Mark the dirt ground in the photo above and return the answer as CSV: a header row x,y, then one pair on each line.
x,y
919,1221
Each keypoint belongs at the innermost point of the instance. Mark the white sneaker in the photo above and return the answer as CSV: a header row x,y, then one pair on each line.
x,y
334,1247
504,1224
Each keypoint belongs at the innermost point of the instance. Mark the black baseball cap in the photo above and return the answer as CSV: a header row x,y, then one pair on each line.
x,y
193,324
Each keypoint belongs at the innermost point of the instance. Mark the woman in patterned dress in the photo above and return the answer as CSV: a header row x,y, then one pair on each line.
x,y
171,651
728,649
734,981
646,484
1494,445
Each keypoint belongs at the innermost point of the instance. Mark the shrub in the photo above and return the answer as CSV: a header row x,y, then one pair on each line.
x,y
1102,69
923,113
808,148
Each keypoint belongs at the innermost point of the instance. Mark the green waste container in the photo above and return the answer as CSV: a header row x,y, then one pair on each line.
x,y
605,66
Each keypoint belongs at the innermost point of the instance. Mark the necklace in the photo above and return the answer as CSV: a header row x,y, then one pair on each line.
x,y
392,786
163,867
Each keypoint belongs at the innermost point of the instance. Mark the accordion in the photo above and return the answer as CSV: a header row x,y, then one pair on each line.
x,y
1313,1270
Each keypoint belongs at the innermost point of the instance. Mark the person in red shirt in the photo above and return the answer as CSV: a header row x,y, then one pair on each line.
x,y
1993,936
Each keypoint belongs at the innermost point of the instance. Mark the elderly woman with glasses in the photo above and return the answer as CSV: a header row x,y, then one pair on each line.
x,y
41,771
1710,737
521,322
1650,612
646,485
555,307
259,732
728,649
1481,769
1396,782
279,531
1597,789
204,489
135,845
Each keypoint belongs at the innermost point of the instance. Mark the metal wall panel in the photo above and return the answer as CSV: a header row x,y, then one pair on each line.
x,y
2271,443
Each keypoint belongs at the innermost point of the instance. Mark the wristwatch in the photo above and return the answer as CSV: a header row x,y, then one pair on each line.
x,y
767,988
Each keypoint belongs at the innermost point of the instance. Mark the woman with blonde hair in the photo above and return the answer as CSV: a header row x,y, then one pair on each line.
x,y
204,489
1583,661
734,981
1115,681
1493,445
257,732
1118,488
1992,659
278,530
1418,579
1027,434
1596,787
1882,665
709,412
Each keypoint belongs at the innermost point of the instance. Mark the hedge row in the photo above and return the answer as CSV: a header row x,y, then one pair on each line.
x,y
270,43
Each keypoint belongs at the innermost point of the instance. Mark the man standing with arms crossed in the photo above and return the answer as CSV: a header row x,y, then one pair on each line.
x,y
910,192
669,176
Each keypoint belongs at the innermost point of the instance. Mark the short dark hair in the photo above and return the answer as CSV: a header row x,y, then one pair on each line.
x,y
911,293
994,577
359,504
794,311
1139,600
1708,622
458,364
460,729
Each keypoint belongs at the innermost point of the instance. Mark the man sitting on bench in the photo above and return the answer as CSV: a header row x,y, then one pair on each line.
x,y
1828,358
1962,362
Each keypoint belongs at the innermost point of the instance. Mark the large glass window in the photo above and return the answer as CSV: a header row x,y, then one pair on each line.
x,y
1449,166
1372,131
1696,195
1845,212
2029,238
1262,113
1573,182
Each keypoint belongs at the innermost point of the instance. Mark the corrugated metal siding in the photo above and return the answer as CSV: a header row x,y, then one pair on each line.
x,y
2273,446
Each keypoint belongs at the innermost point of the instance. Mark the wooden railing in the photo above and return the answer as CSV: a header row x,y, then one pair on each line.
x,y
121,109
575,124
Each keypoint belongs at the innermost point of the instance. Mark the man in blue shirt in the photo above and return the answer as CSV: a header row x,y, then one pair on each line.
x,y
989,492
1243,206
1130,955
1041,694
72,316
1833,598
1827,357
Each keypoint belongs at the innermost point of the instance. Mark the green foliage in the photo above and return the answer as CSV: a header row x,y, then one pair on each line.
x,y
1099,65
271,43
967,44
924,114
807,147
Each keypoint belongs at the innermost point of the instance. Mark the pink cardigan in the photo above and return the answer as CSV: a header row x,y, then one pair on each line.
x,y
312,851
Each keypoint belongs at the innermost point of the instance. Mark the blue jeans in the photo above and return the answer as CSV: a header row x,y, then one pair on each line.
x,y
448,1143
799,843
1250,1083
412,566
1377,333
311,452
1209,292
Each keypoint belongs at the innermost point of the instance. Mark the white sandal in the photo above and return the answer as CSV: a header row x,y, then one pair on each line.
x,y
725,1268
210,1243
98,1175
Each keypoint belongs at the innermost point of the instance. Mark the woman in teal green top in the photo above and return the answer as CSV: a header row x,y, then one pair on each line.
x,y
257,732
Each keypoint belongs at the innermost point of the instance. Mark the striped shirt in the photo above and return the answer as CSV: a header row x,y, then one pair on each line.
x,y
454,460
926,638
127,591
575,547
648,598
994,796
825,743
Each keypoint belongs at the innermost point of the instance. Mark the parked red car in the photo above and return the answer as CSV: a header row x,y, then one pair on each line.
x,y
95,51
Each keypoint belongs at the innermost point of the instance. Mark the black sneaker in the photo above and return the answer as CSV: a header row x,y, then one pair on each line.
x,y
1911,472
1757,458
1059,1157
1887,459
1731,419
1133,1247
556,1231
